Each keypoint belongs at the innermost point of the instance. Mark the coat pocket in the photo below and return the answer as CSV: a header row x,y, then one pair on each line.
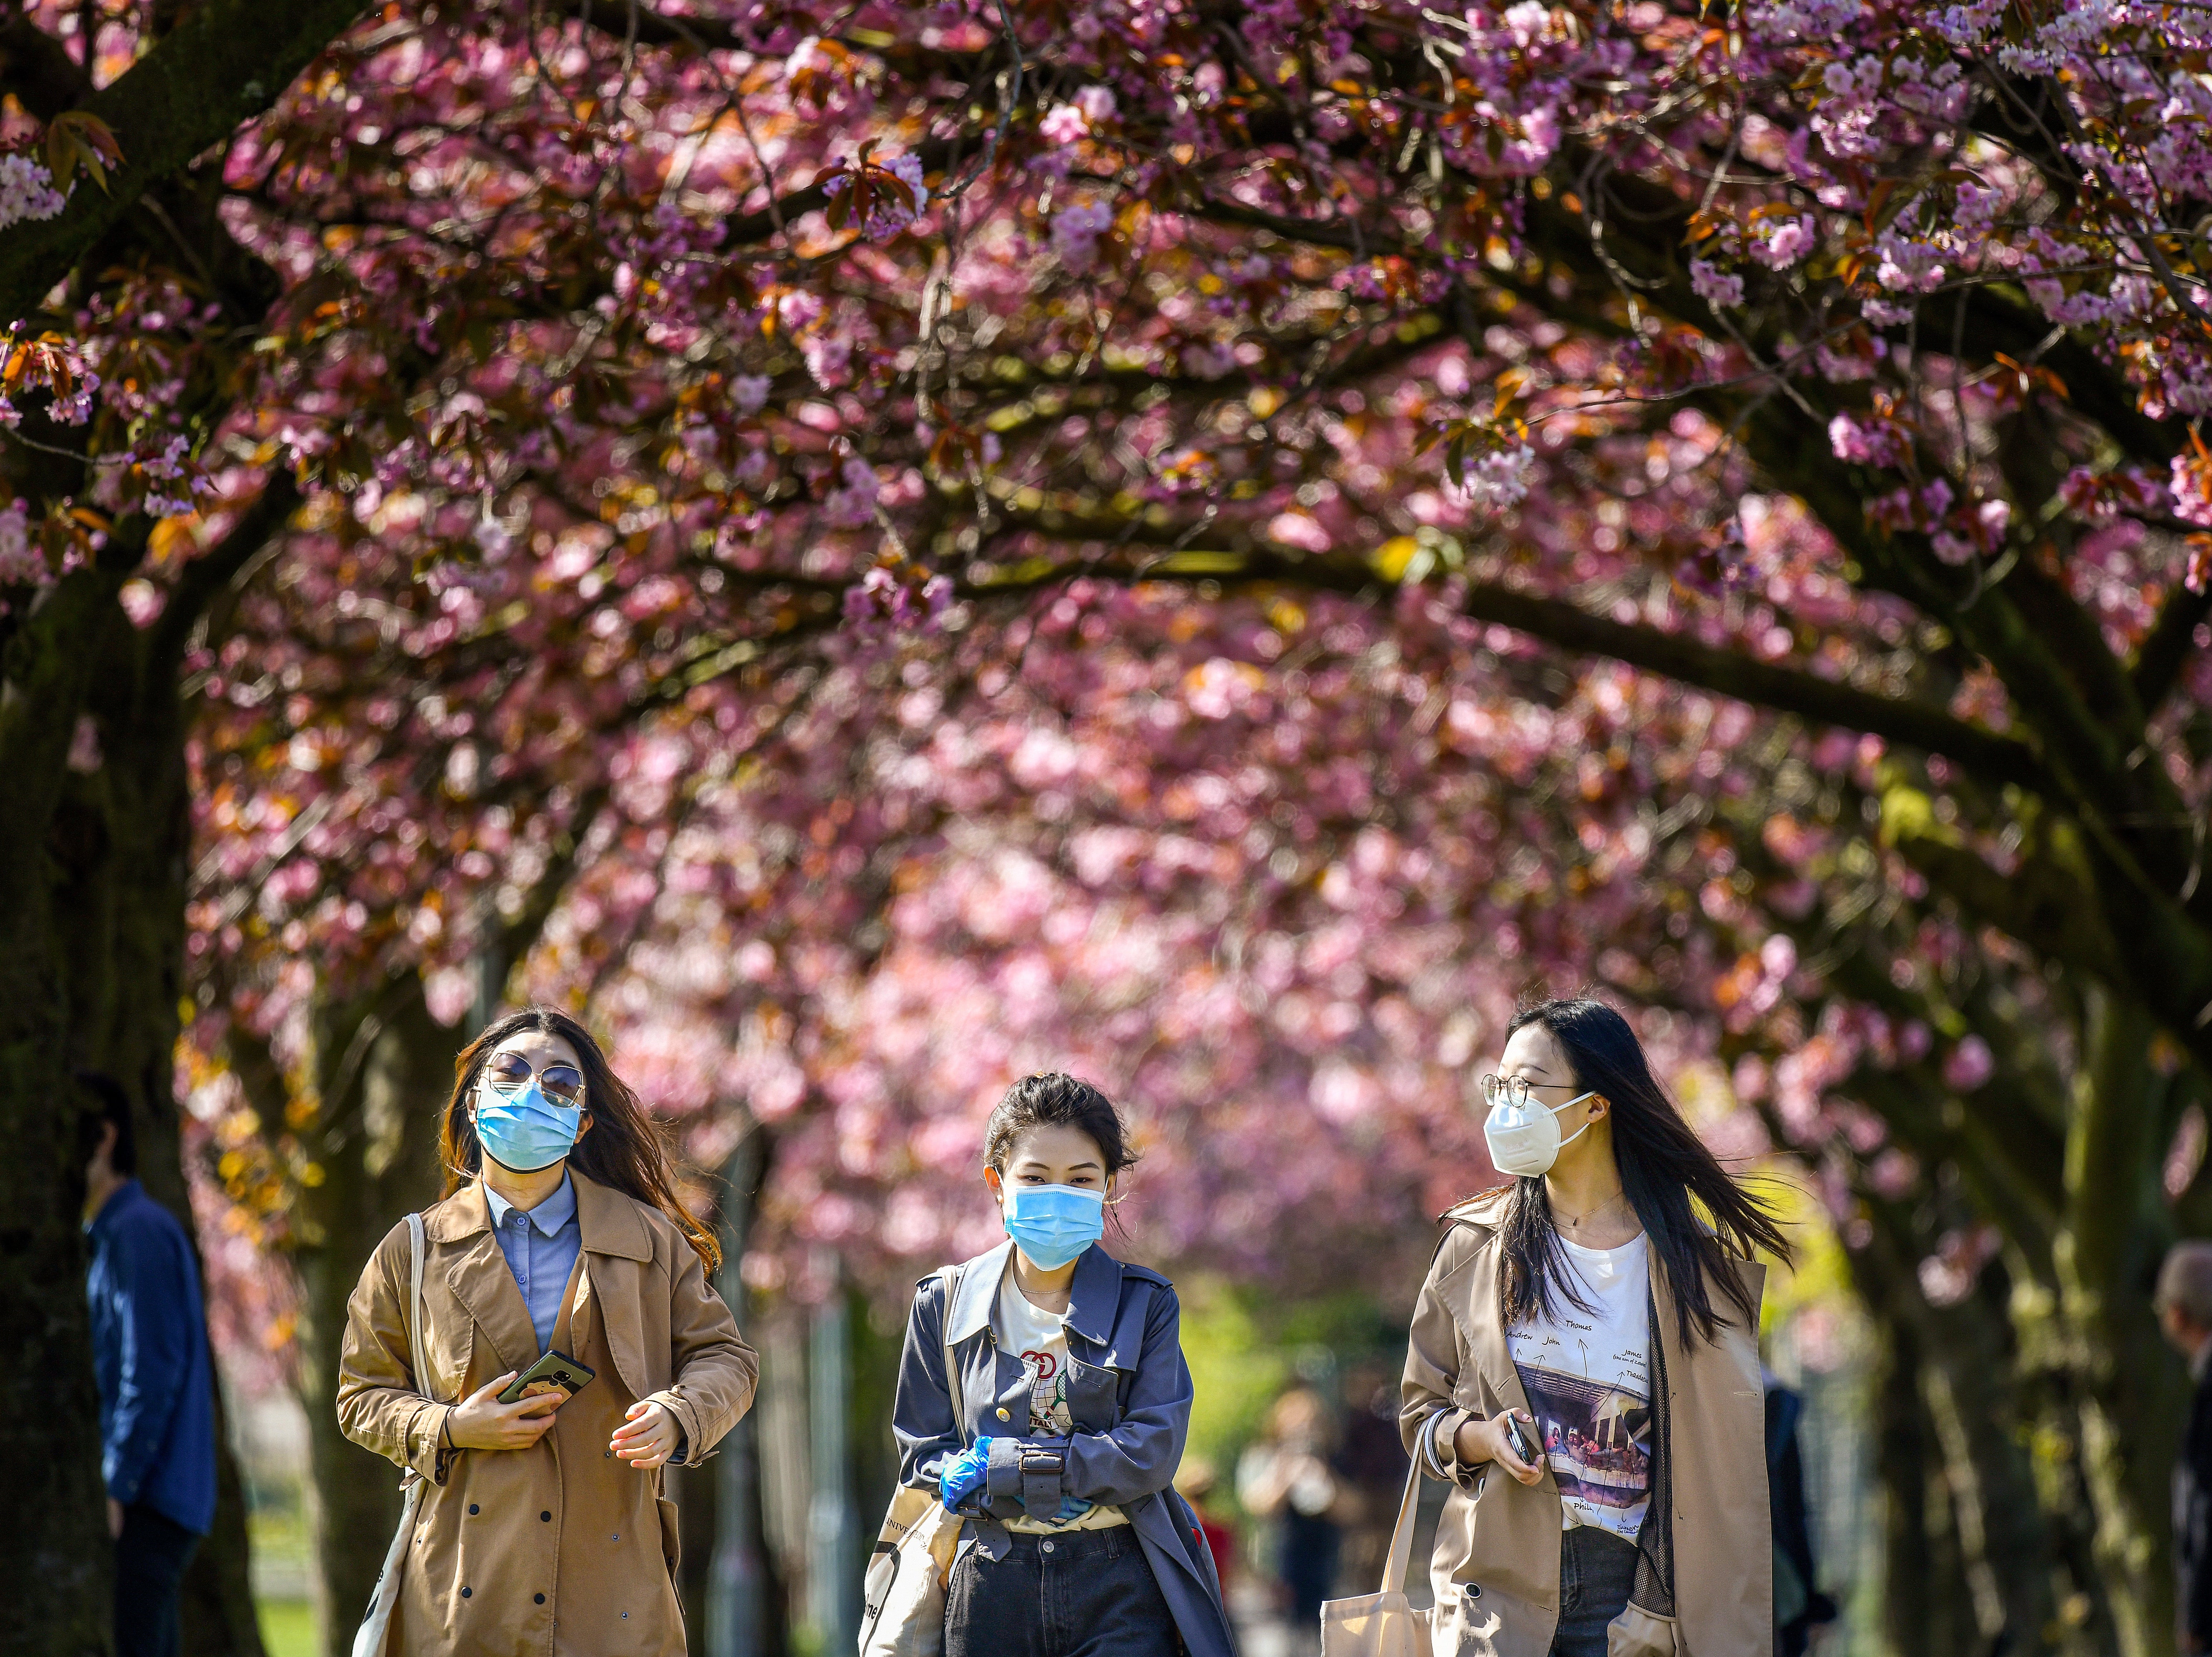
x,y
1640,1633
1094,1395
1471,1622
671,1540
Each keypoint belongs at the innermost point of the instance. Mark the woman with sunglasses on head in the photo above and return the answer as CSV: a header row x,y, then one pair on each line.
x,y
1058,1426
561,1238
1583,1367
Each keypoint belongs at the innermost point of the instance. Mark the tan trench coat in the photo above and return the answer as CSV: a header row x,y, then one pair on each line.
x,y
560,1549
1503,1537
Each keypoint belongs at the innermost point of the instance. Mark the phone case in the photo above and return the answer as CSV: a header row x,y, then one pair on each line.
x,y
556,1372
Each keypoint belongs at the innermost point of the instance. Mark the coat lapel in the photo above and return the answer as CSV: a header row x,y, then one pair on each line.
x,y
480,1277
970,1313
1094,1298
616,1246
1485,1292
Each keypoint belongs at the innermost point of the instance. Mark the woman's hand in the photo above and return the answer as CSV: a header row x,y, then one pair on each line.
x,y
1486,1440
481,1422
647,1436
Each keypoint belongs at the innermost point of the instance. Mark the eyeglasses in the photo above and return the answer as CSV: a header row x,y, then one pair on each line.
x,y
507,1071
1512,1089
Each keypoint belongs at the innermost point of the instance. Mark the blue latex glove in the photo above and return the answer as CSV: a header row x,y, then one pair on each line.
x,y
964,1474
1070,1507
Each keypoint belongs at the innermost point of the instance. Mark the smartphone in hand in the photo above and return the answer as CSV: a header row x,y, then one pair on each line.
x,y
556,1372
1518,1439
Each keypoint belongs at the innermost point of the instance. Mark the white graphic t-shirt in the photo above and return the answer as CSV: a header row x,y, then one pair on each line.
x,y
1588,1381
1040,1338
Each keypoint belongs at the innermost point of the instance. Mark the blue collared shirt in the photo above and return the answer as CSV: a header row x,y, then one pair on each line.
x,y
150,1355
541,1246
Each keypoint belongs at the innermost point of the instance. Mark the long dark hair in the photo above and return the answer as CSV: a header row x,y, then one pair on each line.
x,y
1664,1166
626,1148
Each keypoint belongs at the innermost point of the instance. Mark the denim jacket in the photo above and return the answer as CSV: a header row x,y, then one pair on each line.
x,y
1128,1390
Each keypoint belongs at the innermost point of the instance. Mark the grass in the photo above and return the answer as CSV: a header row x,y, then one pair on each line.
x,y
288,1628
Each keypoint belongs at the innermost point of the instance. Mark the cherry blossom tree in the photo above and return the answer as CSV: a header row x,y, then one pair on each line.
x,y
1836,360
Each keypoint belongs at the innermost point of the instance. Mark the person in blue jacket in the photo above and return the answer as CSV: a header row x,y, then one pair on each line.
x,y
1074,1403
155,1376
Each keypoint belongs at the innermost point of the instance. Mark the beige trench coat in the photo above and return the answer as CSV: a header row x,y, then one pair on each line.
x,y
1503,1537
560,1549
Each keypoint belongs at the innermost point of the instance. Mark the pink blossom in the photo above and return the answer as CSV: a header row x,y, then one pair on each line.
x,y
1783,245
1064,124
1718,289
1969,1065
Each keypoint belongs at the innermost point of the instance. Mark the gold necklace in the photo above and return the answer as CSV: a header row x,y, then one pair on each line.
x,y
1575,1222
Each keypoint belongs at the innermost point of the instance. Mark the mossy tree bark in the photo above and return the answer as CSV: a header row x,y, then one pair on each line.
x,y
94,835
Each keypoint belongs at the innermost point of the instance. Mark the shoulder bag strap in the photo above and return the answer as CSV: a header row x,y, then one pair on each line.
x,y
951,1277
1400,1557
415,1251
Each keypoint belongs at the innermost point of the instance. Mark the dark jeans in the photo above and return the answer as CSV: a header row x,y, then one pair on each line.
x,y
150,1557
1597,1573
1310,1546
1080,1593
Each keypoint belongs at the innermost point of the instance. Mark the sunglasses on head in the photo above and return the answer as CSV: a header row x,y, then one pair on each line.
x,y
562,1082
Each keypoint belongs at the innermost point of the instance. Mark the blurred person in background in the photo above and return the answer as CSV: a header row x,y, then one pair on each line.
x,y
543,1529
155,1375
1584,1360
2183,1301
1073,1406
1372,1463
1287,1477
1799,1605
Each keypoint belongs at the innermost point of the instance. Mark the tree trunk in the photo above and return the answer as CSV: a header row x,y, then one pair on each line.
x,y
2106,1258
58,1584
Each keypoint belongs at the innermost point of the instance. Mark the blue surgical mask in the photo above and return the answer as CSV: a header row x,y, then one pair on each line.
x,y
1053,1223
526,1130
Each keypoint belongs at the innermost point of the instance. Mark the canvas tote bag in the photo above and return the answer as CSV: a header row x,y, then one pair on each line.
x,y
375,1628
1385,1624
903,1608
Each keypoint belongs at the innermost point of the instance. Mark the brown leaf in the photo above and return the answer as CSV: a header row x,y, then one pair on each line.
x,y
79,137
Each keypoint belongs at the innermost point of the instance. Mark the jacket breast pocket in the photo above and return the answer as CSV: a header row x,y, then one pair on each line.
x,y
1094,1395
448,1347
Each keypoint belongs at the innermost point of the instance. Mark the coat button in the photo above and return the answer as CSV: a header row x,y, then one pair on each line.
x,y
464,1592
547,1517
472,1508
1003,1416
541,1599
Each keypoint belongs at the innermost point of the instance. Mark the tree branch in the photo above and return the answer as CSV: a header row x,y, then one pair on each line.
x,y
223,66
1785,689
1988,753
221,564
